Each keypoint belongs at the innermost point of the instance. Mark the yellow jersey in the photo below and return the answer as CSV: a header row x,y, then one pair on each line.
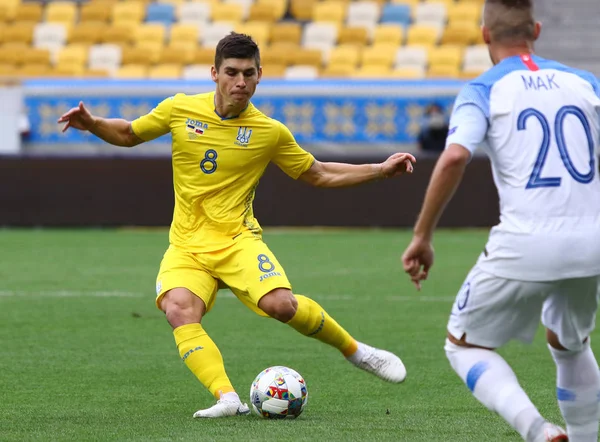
x,y
217,163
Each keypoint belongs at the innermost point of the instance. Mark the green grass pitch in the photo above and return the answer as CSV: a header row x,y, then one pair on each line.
x,y
86,356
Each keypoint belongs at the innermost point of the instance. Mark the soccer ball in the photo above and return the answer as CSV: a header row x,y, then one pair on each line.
x,y
278,392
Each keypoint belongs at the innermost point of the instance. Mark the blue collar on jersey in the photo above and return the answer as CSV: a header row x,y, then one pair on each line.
x,y
230,118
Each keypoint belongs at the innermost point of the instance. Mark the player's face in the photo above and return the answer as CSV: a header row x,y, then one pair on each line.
x,y
237,79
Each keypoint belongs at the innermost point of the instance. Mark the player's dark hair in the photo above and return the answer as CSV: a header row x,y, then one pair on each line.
x,y
510,21
236,45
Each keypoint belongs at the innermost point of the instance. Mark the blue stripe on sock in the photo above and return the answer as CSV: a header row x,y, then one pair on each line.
x,y
475,373
565,395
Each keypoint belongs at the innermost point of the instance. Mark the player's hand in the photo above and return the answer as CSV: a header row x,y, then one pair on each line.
x,y
397,164
417,260
78,118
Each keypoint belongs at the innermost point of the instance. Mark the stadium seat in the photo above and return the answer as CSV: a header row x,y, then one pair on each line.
x,y
130,11
12,53
197,72
179,54
373,71
263,13
36,56
446,55
67,70
95,73
358,36
330,11
192,12
338,71
259,31
19,32
165,72
72,55
61,12
279,7
443,71
363,12
396,13
132,71
105,56
413,57
214,32
430,13
134,55
184,32
228,12
33,70
382,54
88,32
476,56
4,16
302,9
406,2
119,34
286,33
308,57
408,73
160,12
279,53
94,12
344,54
7,70
388,33
425,35
274,71
204,56
151,32
465,11
301,73
461,34
244,4
319,35
29,12
49,35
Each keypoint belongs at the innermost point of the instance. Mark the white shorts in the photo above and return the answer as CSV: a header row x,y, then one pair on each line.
x,y
491,311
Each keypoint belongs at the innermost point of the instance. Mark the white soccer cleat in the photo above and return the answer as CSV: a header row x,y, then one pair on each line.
x,y
553,433
381,363
224,408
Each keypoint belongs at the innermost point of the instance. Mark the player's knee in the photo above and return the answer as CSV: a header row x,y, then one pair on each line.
x,y
182,307
279,304
571,346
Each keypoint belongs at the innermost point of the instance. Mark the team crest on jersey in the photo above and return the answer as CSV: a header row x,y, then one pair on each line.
x,y
243,136
195,128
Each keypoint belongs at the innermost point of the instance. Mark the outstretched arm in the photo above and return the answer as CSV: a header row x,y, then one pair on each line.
x,y
344,175
114,130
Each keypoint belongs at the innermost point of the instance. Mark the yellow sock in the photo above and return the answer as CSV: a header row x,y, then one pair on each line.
x,y
203,358
311,320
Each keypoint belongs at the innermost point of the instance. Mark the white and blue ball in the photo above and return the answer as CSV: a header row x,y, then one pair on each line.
x,y
278,392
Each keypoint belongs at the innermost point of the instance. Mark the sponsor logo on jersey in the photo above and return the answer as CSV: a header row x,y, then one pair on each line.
x,y
268,275
195,128
243,136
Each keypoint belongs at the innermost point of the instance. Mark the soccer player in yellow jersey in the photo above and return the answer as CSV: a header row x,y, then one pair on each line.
x,y
221,147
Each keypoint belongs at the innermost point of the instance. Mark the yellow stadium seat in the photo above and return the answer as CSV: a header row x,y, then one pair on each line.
x,y
286,33
344,54
388,33
184,33
259,31
4,15
154,32
446,55
357,36
130,11
443,71
407,2
373,71
279,7
422,35
308,57
34,70
279,53
165,71
19,32
461,34
274,71
29,12
95,73
338,71
262,13
227,12
94,11
204,56
72,55
68,70
465,12
36,56
382,54
302,9
88,32
119,34
329,11
61,12
407,73
132,71
137,56
7,70
178,53
12,53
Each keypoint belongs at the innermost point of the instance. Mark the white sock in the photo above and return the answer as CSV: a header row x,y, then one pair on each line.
x,y
494,384
578,392
232,396
359,354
